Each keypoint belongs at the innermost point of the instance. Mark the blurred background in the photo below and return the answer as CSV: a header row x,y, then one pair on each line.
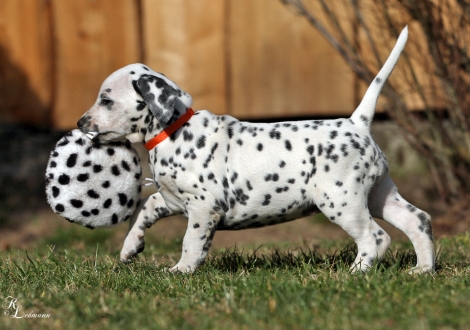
x,y
257,60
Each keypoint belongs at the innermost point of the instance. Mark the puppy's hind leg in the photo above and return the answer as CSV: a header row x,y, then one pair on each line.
x,y
386,203
147,214
372,241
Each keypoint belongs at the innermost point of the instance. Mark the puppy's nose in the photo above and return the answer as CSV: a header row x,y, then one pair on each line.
x,y
83,121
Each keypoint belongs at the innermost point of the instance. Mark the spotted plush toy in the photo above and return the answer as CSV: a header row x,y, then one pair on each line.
x,y
94,185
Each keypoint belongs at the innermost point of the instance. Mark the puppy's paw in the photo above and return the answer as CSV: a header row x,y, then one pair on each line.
x,y
127,258
181,268
128,255
421,270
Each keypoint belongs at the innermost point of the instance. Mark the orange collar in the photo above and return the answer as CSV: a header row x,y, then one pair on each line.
x,y
169,130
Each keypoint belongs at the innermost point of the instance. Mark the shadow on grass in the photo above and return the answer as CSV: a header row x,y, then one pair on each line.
x,y
233,260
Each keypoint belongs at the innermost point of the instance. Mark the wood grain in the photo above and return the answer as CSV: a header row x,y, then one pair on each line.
x,y
93,39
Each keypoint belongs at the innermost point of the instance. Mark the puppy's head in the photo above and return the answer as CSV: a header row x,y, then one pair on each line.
x,y
127,102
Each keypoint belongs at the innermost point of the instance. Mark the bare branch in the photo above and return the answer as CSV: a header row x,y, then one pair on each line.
x,y
445,25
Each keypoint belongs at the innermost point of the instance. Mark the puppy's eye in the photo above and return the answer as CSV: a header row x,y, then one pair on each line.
x,y
106,102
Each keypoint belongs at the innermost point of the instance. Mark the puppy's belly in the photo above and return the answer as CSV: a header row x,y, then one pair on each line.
x,y
257,220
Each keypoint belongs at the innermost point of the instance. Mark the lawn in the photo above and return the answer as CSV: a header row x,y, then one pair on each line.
x,y
76,278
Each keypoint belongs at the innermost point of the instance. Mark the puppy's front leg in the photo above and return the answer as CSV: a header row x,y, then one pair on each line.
x,y
202,224
148,213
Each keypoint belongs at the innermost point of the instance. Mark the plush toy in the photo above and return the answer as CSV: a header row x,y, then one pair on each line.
x,y
94,185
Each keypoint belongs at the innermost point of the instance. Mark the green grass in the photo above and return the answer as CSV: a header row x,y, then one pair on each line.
x,y
80,283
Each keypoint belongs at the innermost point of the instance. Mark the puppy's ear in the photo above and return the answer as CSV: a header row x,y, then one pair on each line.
x,y
159,95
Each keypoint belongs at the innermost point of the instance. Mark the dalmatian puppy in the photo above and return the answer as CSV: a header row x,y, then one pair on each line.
x,y
225,174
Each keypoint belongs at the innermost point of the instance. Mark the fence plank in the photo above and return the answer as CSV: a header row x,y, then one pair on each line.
x,y
184,39
25,62
251,59
280,66
93,38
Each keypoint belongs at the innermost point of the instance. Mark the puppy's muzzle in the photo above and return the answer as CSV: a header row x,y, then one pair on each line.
x,y
84,123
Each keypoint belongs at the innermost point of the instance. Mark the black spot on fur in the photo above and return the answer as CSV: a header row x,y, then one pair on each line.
x,y
425,225
310,149
288,145
60,208
64,179
130,203
93,193
107,203
76,203
55,191
125,166
80,142
72,160
122,199
267,200
234,177
97,168
201,142
83,177
273,134
63,143
187,136
115,170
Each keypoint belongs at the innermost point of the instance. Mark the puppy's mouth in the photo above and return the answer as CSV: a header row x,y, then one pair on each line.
x,y
92,135
104,137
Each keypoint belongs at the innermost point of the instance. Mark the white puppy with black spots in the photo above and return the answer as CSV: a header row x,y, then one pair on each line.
x,y
224,174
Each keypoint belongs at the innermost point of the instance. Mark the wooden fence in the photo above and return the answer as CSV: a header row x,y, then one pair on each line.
x,y
247,58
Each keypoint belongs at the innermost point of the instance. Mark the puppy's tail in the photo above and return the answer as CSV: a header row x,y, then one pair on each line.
x,y
364,113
